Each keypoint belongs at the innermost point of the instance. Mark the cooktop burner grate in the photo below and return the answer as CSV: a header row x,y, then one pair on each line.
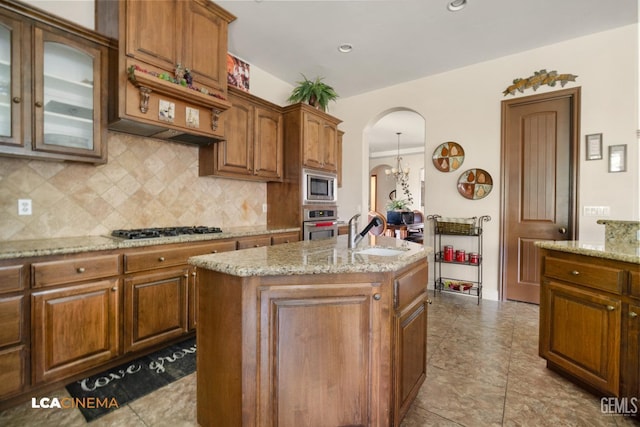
x,y
150,233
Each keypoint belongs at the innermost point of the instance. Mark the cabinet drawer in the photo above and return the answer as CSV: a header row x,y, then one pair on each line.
x,y
634,289
285,238
167,257
12,369
254,242
74,270
11,313
410,285
12,278
594,276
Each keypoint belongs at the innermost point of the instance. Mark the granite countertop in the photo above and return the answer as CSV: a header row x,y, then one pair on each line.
x,y
328,256
71,245
619,251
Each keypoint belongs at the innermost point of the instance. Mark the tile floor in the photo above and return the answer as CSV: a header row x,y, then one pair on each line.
x,y
483,370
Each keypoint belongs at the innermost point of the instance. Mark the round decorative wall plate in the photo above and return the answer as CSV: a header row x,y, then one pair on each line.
x,y
475,184
448,156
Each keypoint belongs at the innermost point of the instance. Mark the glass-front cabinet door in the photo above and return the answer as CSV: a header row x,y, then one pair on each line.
x,y
66,96
10,84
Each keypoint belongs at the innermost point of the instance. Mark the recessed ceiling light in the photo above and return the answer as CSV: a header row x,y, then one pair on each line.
x,y
345,47
456,5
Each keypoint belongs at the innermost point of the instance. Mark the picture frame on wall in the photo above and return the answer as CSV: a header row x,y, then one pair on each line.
x,y
593,145
238,72
618,158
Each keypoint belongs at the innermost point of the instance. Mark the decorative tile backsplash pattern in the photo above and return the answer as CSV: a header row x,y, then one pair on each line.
x,y
146,183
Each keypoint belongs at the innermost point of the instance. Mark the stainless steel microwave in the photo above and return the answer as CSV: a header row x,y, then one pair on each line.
x,y
319,187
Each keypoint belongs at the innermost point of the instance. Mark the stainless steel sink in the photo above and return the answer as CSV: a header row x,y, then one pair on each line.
x,y
381,251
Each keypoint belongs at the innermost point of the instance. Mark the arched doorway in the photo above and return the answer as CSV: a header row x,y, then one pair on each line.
x,y
385,146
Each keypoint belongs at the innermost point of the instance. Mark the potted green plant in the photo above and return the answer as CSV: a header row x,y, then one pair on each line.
x,y
314,92
396,209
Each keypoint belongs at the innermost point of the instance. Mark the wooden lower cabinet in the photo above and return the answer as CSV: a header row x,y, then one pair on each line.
x,y
580,333
633,351
590,321
74,328
410,338
155,308
12,369
325,349
316,336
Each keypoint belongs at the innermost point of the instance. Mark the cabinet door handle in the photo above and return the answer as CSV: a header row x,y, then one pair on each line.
x,y
377,297
562,230
610,308
575,272
39,104
633,314
429,301
215,251
114,289
16,99
186,276
193,274
161,259
80,270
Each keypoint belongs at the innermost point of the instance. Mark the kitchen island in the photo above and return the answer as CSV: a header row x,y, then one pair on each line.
x,y
311,333
589,313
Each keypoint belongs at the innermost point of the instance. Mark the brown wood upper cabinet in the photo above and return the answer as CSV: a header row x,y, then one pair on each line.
x,y
315,134
156,36
253,143
55,105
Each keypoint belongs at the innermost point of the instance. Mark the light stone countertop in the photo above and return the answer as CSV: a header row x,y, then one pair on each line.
x,y
72,245
627,252
329,256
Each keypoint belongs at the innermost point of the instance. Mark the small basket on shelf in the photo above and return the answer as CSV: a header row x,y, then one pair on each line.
x,y
457,285
461,226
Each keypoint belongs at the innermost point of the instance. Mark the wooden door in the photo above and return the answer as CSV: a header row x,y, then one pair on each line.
x,y
329,146
312,140
312,336
74,328
154,32
12,99
411,355
155,308
633,351
268,143
204,32
580,332
235,152
539,158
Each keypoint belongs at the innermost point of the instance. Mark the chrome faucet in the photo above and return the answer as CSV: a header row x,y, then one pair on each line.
x,y
354,236
353,230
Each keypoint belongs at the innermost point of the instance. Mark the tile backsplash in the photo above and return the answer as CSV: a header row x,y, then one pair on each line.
x,y
146,183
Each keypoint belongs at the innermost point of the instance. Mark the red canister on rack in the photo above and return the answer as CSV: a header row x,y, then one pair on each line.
x,y
448,253
460,255
474,258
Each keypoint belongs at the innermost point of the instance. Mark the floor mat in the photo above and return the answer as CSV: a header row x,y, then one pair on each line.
x,y
99,394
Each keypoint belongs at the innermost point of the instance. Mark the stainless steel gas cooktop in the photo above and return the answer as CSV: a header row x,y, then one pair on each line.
x,y
150,233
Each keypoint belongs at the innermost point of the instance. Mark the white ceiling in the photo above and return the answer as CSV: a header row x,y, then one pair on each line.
x,y
395,41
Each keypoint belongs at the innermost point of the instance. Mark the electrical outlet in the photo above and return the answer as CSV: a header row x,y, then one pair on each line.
x,y
264,208
24,207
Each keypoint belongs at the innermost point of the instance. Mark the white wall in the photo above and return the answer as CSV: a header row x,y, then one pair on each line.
x,y
464,106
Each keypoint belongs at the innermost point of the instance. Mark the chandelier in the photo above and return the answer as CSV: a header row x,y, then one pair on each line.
x,y
399,173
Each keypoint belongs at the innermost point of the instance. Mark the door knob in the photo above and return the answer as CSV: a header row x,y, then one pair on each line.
x,y
562,230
